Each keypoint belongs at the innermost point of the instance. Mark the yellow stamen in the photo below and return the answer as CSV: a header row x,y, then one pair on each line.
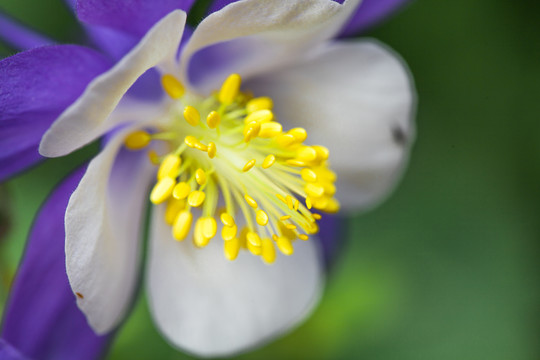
x,y
200,176
317,216
285,140
270,129
268,161
285,217
196,198
162,190
306,154
213,119
182,225
192,115
314,190
172,86
191,141
137,140
308,203
268,251
308,175
198,237
251,201
181,190
169,166
322,152
229,232
229,89
174,206
248,165
290,226
227,219
289,202
295,162
231,248
296,204
260,116
212,150
209,227
299,134
260,103
251,131
284,245
261,217
303,237
153,157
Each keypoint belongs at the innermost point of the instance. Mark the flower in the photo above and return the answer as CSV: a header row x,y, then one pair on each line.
x,y
208,145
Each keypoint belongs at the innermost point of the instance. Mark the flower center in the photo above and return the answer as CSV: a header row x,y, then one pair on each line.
x,y
230,159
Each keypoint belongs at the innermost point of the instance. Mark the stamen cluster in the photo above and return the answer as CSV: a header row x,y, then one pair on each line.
x,y
236,163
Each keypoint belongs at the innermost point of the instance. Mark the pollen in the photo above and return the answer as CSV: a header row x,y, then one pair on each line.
x,y
229,167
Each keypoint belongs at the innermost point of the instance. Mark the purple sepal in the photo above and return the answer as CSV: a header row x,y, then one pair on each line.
x,y
19,36
42,320
35,87
135,17
332,232
8,352
369,13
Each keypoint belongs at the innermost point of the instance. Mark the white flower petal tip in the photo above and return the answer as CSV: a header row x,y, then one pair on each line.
x,y
102,234
358,99
212,307
89,116
258,36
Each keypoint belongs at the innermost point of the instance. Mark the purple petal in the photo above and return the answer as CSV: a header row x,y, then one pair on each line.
x,y
19,36
35,87
8,352
332,232
132,16
369,13
42,319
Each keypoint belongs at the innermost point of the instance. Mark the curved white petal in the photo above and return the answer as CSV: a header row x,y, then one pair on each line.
x,y
210,306
103,223
88,117
264,35
358,99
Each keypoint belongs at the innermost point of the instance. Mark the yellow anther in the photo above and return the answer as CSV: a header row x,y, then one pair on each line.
x,y
303,237
296,204
251,201
261,217
329,188
249,165
181,190
306,153
169,166
285,217
260,116
308,203
229,232
285,140
268,161
282,198
317,216
162,190
137,140
196,198
270,129
209,227
227,219
295,162
212,150
268,251
251,130
172,86
260,103
322,152
314,189
229,89
231,248
198,237
253,238
284,245
255,250
289,200
200,176
192,115
308,175
191,141
213,119
290,226
201,146
299,134
174,206
153,157
333,206
182,225
321,203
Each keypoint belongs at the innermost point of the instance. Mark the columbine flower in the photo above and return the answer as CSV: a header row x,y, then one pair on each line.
x,y
245,170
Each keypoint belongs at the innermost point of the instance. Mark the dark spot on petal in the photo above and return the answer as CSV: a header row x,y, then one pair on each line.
x,y
79,295
399,136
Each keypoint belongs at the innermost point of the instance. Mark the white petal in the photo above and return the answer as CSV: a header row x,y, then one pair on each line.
x,y
358,99
210,306
103,223
88,117
265,34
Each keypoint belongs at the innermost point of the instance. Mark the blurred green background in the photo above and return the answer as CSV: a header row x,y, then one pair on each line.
x,y
447,268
